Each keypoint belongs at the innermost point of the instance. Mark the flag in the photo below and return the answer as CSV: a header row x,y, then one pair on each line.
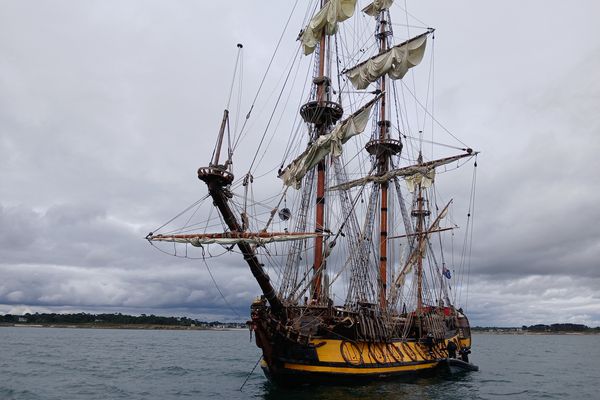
x,y
446,273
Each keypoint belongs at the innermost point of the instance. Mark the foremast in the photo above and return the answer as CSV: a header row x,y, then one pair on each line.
x,y
319,261
322,113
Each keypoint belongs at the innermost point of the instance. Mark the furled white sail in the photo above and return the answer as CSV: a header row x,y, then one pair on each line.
x,y
424,178
257,238
325,22
331,143
414,174
394,62
374,8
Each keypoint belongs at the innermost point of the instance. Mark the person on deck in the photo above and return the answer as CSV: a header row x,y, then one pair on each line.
x,y
464,354
451,347
429,342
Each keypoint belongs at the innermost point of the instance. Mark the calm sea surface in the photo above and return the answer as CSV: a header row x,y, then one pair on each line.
x,y
41,363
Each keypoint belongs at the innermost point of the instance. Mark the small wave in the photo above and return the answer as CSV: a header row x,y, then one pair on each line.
x,y
9,394
509,394
495,381
174,370
531,373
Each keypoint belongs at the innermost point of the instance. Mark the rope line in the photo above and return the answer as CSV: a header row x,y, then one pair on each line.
x,y
265,74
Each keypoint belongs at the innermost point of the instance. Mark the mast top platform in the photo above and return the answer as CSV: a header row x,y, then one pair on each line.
x,y
383,147
215,174
321,112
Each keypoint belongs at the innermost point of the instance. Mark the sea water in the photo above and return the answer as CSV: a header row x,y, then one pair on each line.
x,y
54,363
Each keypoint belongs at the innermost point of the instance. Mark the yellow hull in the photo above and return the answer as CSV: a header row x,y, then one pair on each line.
x,y
375,370
339,360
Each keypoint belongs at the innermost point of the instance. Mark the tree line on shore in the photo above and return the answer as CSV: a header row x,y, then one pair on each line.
x,y
124,319
559,328
110,319
553,328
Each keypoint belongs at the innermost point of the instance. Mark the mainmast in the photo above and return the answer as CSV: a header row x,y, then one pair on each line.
x,y
382,169
383,148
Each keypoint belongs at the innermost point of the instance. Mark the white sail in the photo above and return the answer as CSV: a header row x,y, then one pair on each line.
x,y
424,178
414,174
325,22
394,62
331,143
374,8
259,238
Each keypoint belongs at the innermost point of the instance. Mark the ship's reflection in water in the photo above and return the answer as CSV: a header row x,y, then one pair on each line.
x,y
450,387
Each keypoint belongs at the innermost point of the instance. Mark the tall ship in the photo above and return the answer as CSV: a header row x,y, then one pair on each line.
x,y
354,247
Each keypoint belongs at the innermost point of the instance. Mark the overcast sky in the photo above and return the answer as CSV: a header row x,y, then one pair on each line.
x,y
107,108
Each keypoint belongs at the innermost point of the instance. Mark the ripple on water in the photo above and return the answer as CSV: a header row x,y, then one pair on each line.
x,y
55,364
19,394
174,370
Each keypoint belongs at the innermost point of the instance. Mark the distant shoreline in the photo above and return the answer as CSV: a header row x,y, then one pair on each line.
x,y
224,329
525,333
156,322
123,326
114,321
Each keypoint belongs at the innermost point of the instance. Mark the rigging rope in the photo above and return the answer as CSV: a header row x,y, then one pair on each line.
x,y
283,114
219,289
271,117
412,75
407,13
431,115
468,239
251,372
239,99
265,75
472,226
197,202
235,68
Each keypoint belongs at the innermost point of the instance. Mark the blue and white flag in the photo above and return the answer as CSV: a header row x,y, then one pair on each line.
x,y
446,273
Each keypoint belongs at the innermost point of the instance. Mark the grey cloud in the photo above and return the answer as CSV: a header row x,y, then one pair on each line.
x,y
535,299
81,257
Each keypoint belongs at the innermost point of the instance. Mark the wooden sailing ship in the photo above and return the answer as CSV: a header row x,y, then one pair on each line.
x,y
378,243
